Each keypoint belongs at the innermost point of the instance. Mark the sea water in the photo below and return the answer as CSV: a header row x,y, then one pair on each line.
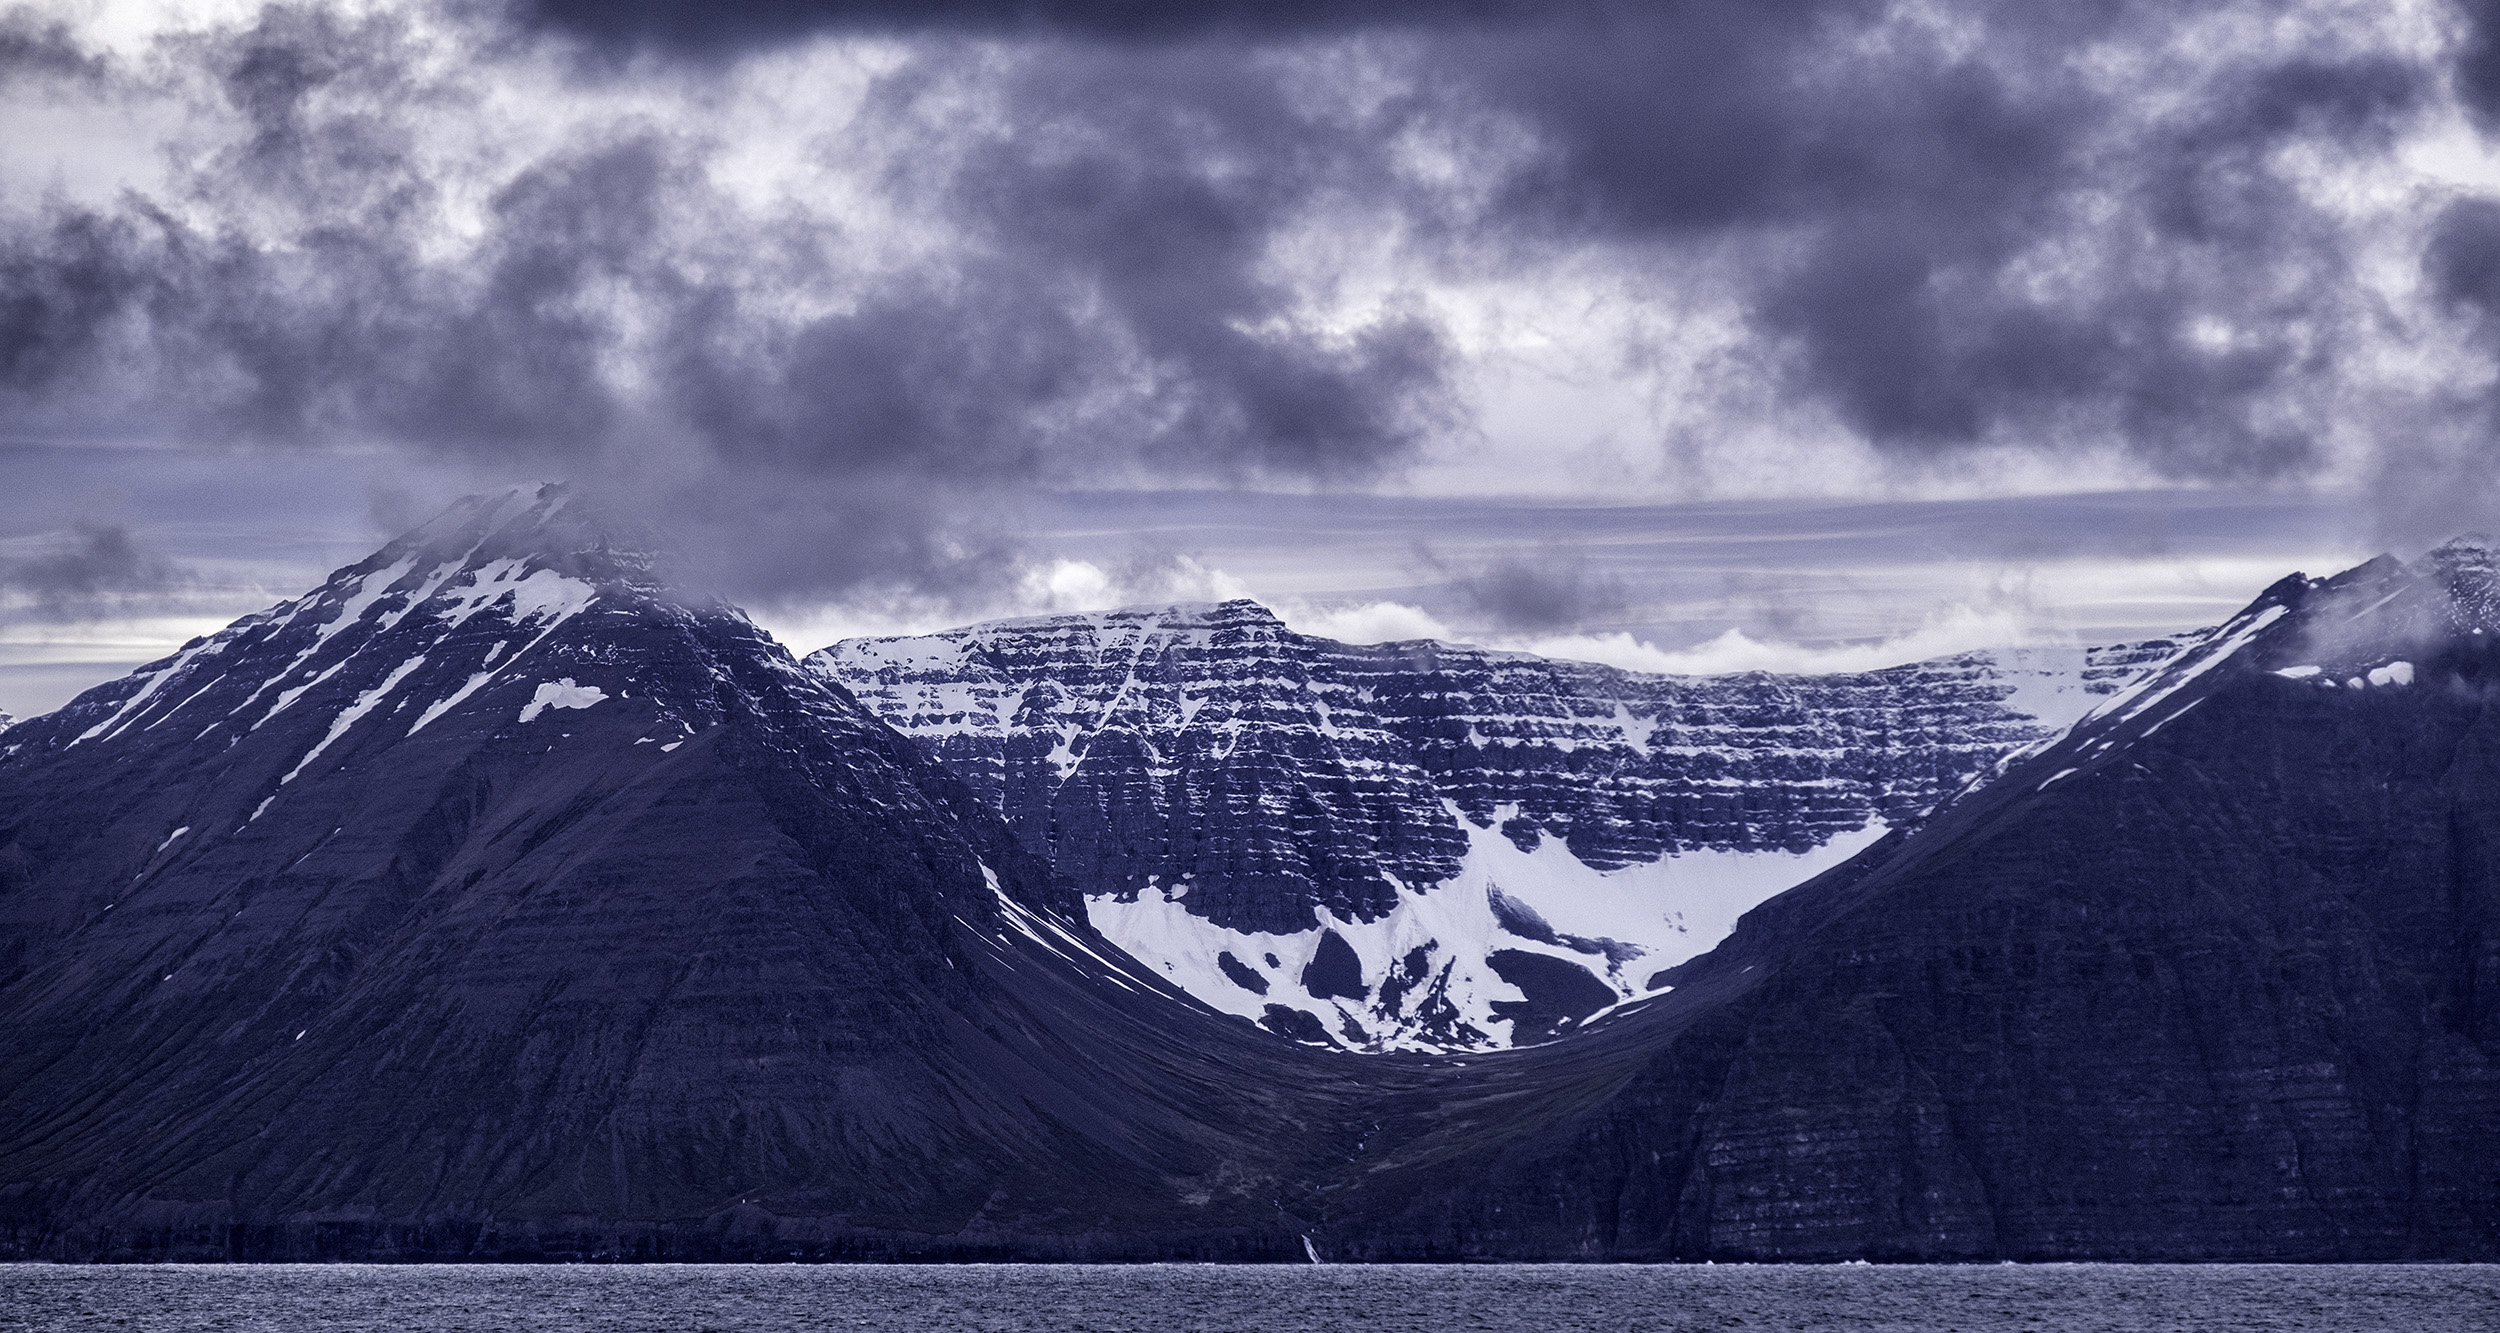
x,y
1187,1298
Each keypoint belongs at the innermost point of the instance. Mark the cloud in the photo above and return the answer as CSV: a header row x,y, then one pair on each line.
x,y
1945,631
799,413
1954,233
1950,229
2478,58
1367,622
94,572
735,25
1064,585
1953,629
823,291
35,47
1544,590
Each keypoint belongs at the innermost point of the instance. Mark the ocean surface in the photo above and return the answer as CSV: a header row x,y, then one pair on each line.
x,y
1187,1298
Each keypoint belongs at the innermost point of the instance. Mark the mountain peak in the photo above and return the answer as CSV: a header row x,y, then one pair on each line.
x,y
544,525
2384,624
464,608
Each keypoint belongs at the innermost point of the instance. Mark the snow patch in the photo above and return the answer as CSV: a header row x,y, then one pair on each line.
x,y
287,698
561,694
1629,924
369,589
452,700
548,595
479,679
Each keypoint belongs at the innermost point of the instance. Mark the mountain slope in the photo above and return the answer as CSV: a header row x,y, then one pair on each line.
x,y
494,899
2215,975
1430,846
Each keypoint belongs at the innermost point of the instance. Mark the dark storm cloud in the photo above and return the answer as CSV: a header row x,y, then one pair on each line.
x,y
344,329
1985,224
1107,313
33,46
2478,58
1896,192
2462,260
1548,590
738,24
101,571
1910,188
2441,481
1110,315
1156,185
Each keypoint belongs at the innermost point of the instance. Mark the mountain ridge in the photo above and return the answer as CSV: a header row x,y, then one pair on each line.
x,y
1418,845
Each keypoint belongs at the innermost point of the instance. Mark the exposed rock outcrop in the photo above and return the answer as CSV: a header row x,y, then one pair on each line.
x,y
1221,786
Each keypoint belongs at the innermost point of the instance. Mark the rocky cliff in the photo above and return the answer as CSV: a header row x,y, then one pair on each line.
x,y
1424,845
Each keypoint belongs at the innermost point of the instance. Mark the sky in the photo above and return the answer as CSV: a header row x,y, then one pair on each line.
x,y
1687,336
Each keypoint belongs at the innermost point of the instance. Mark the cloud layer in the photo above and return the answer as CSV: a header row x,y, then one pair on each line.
x,y
824,290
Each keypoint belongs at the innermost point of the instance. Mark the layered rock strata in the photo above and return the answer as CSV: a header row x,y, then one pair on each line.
x,y
1424,845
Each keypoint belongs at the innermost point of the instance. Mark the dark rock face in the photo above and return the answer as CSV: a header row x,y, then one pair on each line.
x,y
1277,772
1334,970
1206,766
1556,993
2217,975
491,900
1241,975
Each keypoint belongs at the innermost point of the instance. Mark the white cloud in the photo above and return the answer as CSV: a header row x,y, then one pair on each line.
x,y
1955,629
1044,588
1066,585
1368,622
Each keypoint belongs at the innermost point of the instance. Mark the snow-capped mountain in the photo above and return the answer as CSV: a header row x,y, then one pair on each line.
x,y
494,884
2214,975
1423,845
508,619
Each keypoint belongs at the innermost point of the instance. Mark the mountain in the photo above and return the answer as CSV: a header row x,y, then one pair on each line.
x,y
495,898
2215,974
1428,846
